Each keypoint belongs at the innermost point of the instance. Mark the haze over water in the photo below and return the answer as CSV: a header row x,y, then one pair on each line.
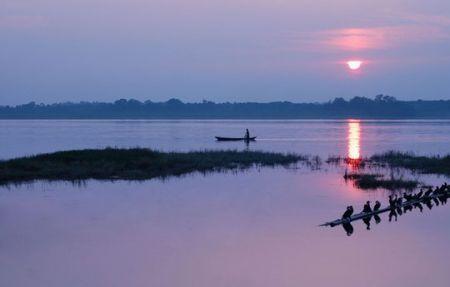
x,y
253,228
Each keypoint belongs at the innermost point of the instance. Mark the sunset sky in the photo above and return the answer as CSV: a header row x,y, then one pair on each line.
x,y
223,50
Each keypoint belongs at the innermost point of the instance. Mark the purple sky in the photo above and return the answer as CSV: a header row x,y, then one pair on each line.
x,y
224,50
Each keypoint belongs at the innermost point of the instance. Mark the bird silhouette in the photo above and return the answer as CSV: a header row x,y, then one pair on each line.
x,y
348,212
377,206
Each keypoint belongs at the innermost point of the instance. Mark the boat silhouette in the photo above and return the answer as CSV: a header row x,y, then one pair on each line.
x,y
223,139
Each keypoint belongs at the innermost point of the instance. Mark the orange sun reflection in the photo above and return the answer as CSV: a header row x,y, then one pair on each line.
x,y
354,139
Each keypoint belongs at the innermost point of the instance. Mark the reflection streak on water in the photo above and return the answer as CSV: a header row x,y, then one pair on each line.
x,y
354,135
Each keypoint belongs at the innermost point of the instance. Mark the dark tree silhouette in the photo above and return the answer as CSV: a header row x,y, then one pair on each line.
x,y
382,106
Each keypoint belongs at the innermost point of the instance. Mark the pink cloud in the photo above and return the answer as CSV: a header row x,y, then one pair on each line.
x,y
352,39
361,39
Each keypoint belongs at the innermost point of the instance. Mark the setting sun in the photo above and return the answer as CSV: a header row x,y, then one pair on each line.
x,y
354,65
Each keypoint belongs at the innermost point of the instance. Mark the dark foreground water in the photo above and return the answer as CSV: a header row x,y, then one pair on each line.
x,y
252,228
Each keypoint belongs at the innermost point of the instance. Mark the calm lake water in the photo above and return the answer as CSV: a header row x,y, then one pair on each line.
x,y
253,228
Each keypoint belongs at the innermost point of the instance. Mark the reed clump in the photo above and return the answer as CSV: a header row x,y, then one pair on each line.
x,y
133,164
422,164
374,181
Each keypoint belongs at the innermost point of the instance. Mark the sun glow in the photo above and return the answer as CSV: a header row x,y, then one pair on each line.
x,y
354,64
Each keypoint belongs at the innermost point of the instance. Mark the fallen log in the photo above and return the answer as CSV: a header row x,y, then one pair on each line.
x,y
363,215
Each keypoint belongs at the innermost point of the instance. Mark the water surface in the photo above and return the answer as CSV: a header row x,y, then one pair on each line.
x,y
318,137
252,228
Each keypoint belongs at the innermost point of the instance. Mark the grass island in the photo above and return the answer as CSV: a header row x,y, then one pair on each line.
x,y
133,164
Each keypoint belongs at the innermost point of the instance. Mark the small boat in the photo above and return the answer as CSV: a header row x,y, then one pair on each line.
x,y
222,139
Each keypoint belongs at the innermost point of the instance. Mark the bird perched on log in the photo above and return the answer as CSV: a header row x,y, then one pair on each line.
x,y
418,195
348,212
392,202
376,206
428,192
436,191
367,208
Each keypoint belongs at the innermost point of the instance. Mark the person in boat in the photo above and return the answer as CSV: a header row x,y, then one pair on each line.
x,y
377,206
348,213
247,134
367,208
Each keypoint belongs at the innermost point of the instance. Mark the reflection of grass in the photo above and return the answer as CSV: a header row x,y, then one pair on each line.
x,y
334,160
433,164
374,181
134,163
337,160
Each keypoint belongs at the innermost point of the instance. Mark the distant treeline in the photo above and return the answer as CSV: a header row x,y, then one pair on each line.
x,y
382,106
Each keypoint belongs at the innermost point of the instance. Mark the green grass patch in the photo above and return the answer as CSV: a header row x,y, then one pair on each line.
x,y
133,164
423,164
374,181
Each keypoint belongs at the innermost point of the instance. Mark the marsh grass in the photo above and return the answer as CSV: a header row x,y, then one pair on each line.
x,y
374,181
133,164
396,159
423,164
